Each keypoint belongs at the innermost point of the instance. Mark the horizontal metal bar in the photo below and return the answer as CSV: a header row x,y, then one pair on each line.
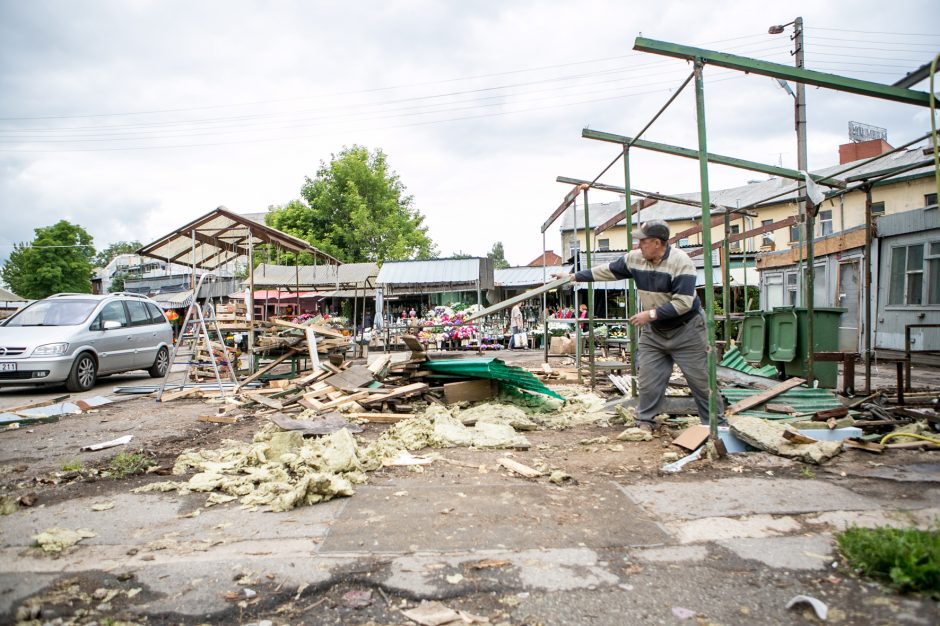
x,y
786,72
744,164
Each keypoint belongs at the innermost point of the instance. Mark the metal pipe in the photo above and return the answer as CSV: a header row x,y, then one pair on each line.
x,y
726,279
707,241
869,324
590,296
630,291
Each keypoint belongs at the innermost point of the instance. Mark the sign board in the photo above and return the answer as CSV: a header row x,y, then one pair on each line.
x,y
859,132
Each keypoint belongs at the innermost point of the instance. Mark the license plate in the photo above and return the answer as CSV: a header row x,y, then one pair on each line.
x,y
7,367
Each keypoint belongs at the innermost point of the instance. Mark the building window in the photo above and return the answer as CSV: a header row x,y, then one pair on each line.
x,y
877,208
774,290
767,239
603,245
907,275
792,291
683,243
933,272
734,245
930,200
795,232
825,222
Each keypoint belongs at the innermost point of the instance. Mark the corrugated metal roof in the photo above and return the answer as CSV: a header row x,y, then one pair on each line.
x,y
435,271
347,274
907,222
525,276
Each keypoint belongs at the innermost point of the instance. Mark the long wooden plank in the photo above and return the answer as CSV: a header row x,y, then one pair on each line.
x,y
179,394
522,297
322,330
519,468
759,398
267,368
36,404
381,418
396,393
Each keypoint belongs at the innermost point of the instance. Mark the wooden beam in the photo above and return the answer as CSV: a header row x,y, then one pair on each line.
x,y
759,398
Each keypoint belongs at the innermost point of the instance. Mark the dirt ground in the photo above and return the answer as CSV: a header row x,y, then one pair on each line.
x,y
33,461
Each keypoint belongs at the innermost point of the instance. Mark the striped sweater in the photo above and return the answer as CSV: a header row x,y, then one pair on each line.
x,y
668,287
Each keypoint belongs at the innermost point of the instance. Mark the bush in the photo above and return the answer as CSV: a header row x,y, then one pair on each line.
x,y
129,464
906,559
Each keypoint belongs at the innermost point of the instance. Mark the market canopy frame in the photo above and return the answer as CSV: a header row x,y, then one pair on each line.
x,y
219,237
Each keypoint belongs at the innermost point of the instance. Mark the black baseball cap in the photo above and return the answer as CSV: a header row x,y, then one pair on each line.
x,y
653,229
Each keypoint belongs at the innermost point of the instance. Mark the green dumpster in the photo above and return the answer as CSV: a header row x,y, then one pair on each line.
x,y
782,335
753,337
825,338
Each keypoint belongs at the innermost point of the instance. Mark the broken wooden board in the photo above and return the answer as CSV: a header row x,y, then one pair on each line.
x,y
519,468
175,395
395,393
794,437
352,378
321,330
268,402
692,437
217,419
759,398
36,404
380,418
416,347
470,391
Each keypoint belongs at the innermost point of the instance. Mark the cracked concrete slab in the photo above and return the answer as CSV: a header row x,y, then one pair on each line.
x,y
731,497
513,517
804,552
715,528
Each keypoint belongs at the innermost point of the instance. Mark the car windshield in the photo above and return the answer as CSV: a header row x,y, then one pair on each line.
x,y
54,313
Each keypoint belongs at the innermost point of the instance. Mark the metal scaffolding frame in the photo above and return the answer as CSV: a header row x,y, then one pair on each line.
x,y
701,57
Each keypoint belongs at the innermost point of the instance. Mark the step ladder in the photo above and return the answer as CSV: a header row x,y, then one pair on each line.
x,y
199,331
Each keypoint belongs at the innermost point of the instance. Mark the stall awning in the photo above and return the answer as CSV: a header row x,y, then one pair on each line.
x,y
175,300
219,237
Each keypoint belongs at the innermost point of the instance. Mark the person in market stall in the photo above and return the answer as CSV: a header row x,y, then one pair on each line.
x,y
582,315
516,324
671,322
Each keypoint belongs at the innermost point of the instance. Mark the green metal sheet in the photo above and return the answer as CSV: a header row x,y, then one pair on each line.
x,y
732,359
802,399
786,72
491,368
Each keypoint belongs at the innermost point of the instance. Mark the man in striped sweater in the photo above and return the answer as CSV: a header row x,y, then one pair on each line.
x,y
670,321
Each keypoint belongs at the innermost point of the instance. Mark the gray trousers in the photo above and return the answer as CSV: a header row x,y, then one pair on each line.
x,y
657,351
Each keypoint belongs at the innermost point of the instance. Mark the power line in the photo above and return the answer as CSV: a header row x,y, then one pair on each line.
x,y
872,32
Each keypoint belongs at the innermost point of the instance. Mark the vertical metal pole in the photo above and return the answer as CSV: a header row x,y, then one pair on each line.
x,y
590,296
577,266
544,304
251,303
726,279
808,210
192,279
630,292
869,325
707,247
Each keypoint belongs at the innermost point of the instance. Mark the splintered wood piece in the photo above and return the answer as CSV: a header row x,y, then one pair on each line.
x,y
519,468
217,419
268,402
794,437
174,395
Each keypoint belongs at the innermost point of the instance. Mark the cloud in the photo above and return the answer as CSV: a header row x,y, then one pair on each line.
x,y
132,118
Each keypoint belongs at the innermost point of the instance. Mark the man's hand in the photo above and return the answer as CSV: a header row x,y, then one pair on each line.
x,y
563,275
641,319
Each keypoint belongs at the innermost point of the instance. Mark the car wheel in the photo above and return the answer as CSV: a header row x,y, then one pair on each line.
x,y
84,373
160,364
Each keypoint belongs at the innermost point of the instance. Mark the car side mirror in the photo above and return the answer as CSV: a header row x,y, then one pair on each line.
x,y
110,325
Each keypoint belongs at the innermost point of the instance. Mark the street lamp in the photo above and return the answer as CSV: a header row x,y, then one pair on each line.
x,y
808,216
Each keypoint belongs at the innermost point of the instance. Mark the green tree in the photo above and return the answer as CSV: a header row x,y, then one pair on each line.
x,y
119,247
356,210
58,259
117,282
498,256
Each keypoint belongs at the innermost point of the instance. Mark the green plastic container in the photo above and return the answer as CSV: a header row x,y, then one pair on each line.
x,y
825,338
753,337
782,342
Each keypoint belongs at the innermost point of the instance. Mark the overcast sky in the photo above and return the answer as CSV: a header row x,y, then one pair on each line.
x,y
132,117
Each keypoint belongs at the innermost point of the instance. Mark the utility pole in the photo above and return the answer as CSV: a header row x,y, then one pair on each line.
x,y
807,212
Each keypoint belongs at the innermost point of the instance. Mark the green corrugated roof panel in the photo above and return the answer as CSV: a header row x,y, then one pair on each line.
x,y
491,368
734,360
802,399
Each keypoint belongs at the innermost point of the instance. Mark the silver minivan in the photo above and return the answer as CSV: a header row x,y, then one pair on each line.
x,y
73,338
